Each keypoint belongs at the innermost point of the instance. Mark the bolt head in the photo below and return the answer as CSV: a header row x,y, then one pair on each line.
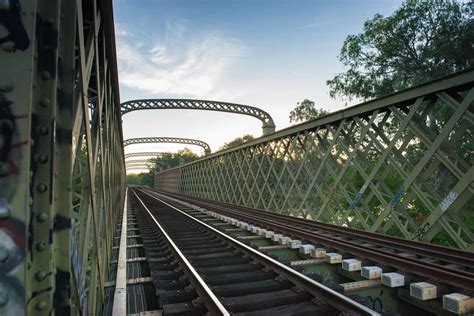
x,y
42,216
45,75
41,305
45,102
42,187
40,275
42,159
43,130
41,246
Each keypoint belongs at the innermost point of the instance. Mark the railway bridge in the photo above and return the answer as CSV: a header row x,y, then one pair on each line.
x,y
365,211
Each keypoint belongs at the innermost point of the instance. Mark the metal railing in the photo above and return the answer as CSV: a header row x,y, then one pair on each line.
x,y
400,165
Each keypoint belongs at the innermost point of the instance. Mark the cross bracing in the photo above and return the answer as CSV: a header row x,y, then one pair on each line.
x,y
268,126
143,154
172,140
400,165
138,161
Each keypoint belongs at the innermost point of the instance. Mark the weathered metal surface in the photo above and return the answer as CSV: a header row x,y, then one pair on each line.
x,y
268,126
172,140
61,161
400,165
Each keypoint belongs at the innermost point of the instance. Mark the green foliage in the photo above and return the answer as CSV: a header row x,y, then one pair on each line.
x,y
420,41
305,111
140,179
170,160
237,141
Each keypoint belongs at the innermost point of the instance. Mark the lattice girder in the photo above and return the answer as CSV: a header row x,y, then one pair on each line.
x,y
400,165
143,154
268,124
170,140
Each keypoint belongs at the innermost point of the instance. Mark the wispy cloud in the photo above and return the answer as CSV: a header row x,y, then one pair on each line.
x,y
175,64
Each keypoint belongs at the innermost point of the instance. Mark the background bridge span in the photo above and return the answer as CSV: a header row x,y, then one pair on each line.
x,y
268,126
400,165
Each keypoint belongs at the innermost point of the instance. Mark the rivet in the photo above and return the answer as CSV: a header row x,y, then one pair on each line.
x,y
42,217
43,130
40,246
42,188
42,158
3,254
8,47
5,209
45,102
41,305
40,275
7,86
3,298
46,75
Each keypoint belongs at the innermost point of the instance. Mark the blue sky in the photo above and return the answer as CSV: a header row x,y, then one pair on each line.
x,y
269,54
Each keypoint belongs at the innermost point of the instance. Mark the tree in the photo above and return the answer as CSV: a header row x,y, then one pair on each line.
x,y
144,178
170,160
420,41
305,111
237,141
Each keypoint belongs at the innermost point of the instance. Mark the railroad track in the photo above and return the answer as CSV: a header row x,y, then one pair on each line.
x,y
442,265
198,269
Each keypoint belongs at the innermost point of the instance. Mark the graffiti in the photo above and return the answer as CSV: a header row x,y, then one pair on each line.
x,y
396,198
7,128
375,302
420,232
10,18
354,202
448,200
12,258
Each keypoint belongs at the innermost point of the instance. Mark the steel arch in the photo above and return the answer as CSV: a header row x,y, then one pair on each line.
x,y
268,126
142,161
144,154
137,168
172,140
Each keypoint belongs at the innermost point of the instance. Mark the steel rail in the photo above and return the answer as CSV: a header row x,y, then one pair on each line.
x,y
457,256
120,295
456,278
337,300
210,299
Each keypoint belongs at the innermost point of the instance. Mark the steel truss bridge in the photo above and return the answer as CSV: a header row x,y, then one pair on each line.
x,y
387,182
268,126
170,140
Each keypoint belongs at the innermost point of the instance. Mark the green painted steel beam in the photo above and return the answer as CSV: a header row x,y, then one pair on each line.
x,y
62,167
399,165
